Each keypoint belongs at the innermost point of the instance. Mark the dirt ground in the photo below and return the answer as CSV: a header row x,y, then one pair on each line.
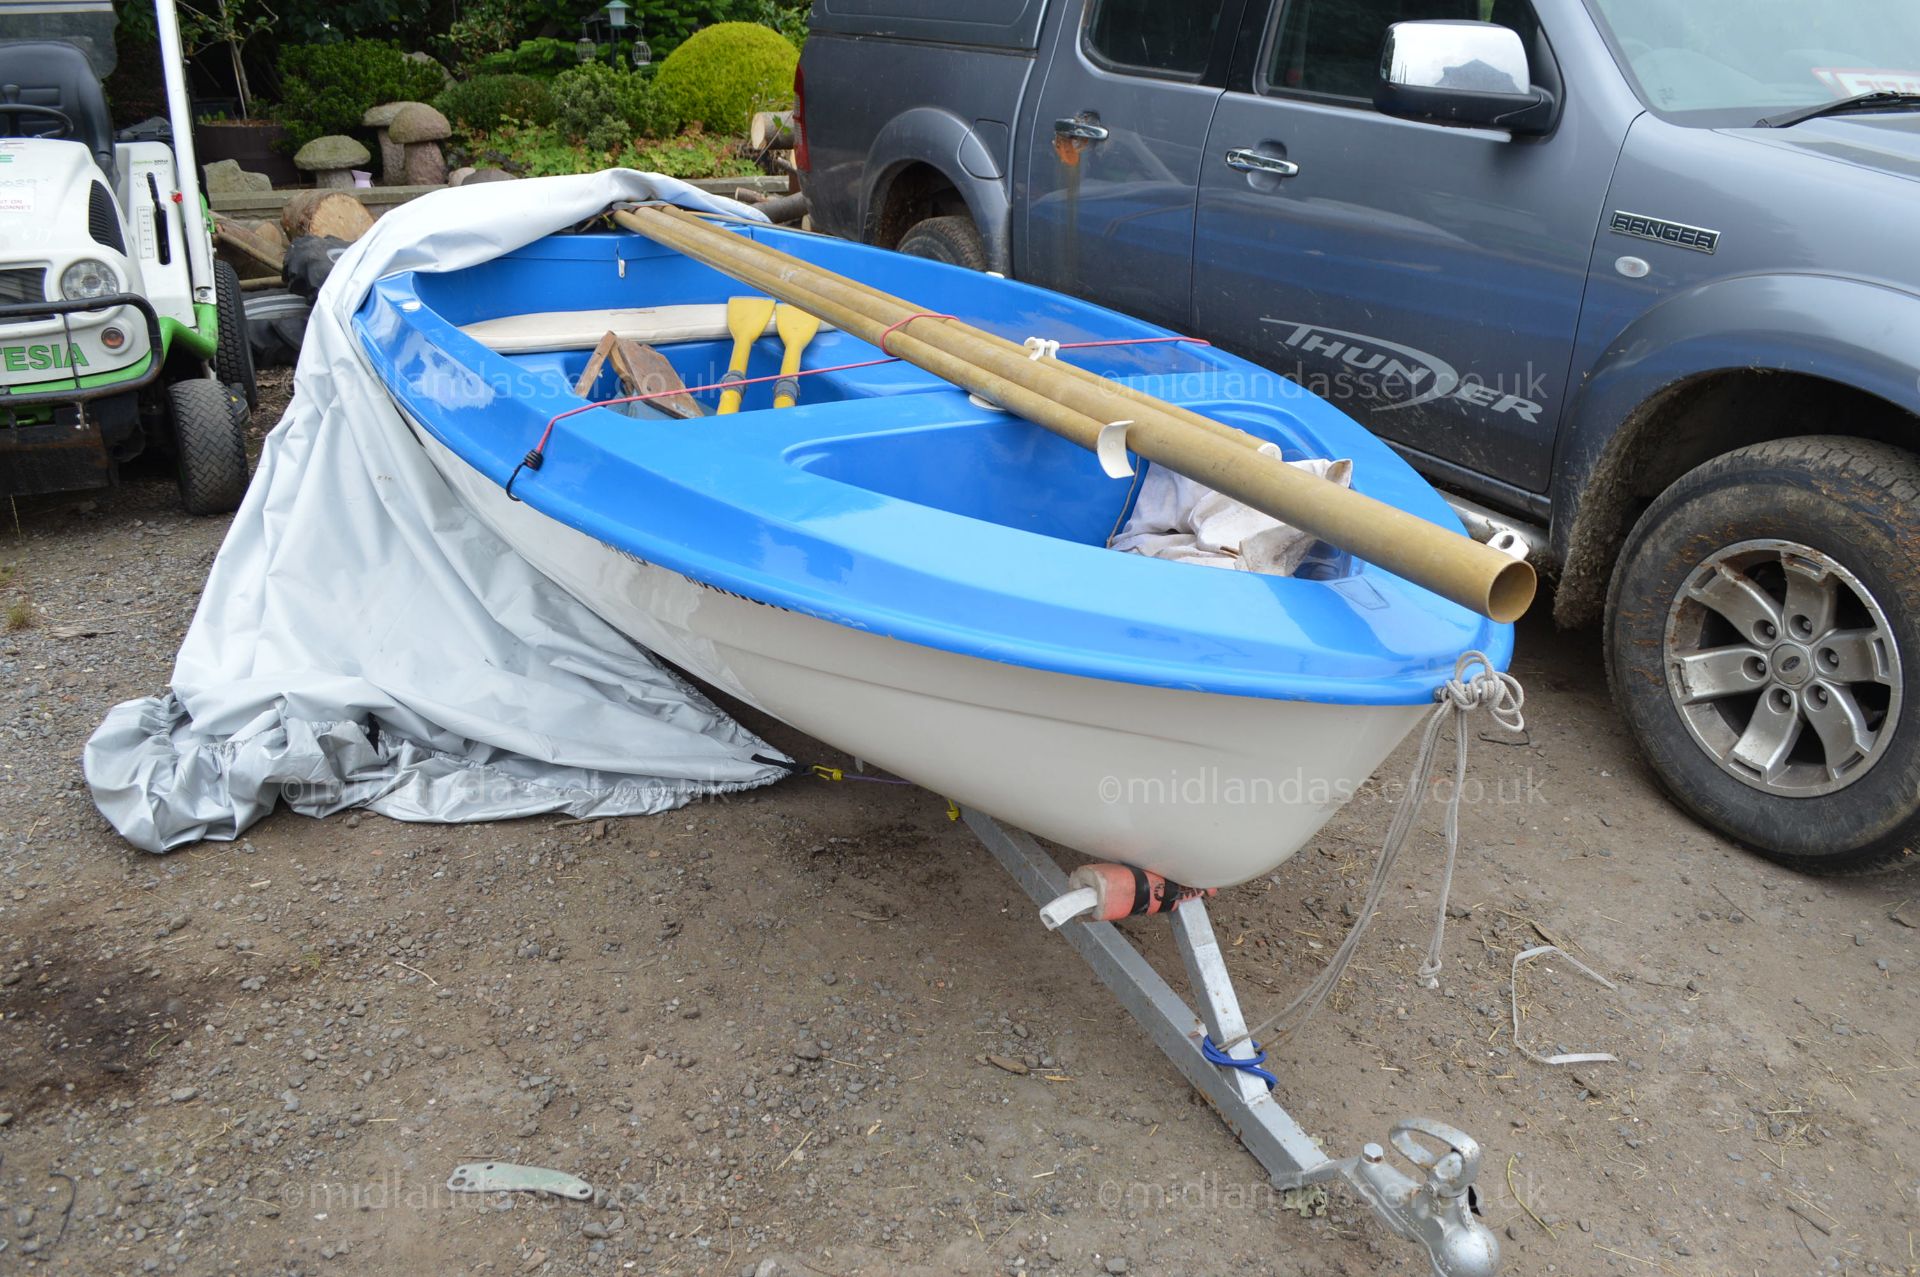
x,y
757,1027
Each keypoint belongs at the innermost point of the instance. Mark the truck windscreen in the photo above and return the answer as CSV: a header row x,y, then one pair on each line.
x,y
1762,56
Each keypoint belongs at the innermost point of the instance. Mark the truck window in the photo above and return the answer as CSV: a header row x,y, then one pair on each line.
x,y
1331,48
1153,37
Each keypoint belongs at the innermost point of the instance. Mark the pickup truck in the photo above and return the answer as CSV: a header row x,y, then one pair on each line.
x,y
1638,280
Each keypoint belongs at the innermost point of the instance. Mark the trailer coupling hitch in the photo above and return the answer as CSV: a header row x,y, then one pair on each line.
x,y
1436,1211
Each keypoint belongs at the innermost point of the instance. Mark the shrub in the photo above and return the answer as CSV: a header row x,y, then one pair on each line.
x,y
542,57
725,73
668,23
535,151
602,108
483,27
485,102
688,155
326,88
647,112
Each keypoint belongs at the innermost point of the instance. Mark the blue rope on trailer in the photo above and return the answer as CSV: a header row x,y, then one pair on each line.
x,y
1250,1065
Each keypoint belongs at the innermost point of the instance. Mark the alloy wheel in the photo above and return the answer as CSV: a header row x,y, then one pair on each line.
x,y
1784,668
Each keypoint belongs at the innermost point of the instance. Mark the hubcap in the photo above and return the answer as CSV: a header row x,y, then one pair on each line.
x,y
1784,668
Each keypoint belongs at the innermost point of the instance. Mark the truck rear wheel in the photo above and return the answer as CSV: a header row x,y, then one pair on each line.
x,y
209,445
233,352
953,240
1761,643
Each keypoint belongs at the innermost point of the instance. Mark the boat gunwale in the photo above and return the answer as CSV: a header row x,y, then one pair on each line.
x,y
396,303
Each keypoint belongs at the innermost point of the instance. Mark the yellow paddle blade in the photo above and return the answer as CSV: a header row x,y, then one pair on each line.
x,y
747,320
796,328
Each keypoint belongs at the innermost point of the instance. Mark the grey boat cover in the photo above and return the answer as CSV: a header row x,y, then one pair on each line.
x,y
364,641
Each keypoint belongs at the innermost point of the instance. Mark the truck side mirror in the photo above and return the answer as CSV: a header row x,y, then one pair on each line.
x,y
1468,73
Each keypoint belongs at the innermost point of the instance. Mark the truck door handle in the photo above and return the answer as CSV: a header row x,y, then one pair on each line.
x,y
1079,131
1249,161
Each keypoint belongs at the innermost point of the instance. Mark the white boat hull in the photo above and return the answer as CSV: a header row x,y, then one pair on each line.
x,y
1208,790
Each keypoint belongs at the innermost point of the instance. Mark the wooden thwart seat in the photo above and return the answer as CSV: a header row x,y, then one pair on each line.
x,y
580,329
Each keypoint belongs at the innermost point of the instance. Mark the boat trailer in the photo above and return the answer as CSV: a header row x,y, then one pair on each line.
x,y
1436,1211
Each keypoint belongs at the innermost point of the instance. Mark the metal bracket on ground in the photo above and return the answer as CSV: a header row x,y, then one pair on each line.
x,y
1434,1210
505,1177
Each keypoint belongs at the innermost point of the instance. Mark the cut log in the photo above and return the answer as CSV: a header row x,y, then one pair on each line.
x,y
253,253
319,212
771,131
784,210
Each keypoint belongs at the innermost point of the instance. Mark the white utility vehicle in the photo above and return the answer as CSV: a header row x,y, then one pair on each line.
x,y
119,332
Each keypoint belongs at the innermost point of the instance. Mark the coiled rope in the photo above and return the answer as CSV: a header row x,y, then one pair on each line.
x,y
1475,684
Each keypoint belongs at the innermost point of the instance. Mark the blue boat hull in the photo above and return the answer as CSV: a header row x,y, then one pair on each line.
x,y
923,581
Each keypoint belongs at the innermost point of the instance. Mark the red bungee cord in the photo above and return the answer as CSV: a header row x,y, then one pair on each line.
x,y
536,456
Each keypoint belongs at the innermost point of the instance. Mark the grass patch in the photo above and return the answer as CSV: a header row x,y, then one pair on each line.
x,y
20,615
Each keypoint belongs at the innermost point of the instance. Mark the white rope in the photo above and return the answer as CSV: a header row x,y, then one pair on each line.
x,y
1503,698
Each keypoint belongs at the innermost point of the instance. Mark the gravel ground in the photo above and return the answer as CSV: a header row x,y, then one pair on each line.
x,y
762,1028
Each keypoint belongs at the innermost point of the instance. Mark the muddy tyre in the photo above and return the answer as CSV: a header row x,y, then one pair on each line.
x,y
1763,644
209,445
953,240
233,350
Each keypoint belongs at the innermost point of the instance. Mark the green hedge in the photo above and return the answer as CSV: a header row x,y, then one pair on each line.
x,y
725,73
485,102
326,88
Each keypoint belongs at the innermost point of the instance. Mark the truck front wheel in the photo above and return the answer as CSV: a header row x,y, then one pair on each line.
x,y
953,240
1763,643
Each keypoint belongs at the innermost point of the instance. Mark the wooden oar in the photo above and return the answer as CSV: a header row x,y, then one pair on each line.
x,y
796,328
746,319
1087,409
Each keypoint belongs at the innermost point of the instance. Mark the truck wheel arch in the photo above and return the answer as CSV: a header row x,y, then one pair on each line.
x,y
930,163
1813,357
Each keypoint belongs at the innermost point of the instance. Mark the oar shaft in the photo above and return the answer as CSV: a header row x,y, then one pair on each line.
x,y
1077,388
747,320
1050,394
